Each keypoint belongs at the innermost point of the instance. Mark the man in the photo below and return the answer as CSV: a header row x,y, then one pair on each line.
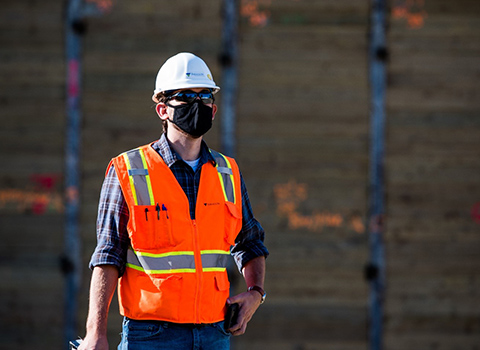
x,y
169,214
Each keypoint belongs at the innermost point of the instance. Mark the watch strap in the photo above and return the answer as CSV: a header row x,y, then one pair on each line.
x,y
260,290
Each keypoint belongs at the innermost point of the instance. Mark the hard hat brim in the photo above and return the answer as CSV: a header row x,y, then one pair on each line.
x,y
214,88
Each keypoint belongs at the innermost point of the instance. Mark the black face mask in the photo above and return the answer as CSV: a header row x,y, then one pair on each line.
x,y
194,118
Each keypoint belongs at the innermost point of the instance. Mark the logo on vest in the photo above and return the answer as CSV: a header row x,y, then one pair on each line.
x,y
210,204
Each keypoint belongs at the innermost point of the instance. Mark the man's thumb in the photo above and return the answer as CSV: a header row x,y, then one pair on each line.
x,y
232,300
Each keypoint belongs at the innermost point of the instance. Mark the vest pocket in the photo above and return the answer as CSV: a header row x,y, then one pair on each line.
x,y
221,281
165,297
233,222
222,291
153,227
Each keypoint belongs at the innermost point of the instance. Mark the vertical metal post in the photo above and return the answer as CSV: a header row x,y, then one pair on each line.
x,y
376,266
229,61
72,258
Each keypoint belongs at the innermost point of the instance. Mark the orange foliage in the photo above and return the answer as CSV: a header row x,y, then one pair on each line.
x,y
37,202
251,9
410,10
103,5
290,195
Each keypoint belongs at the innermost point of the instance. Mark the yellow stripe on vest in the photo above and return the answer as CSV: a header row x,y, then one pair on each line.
x,y
149,184
130,178
225,175
139,177
177,262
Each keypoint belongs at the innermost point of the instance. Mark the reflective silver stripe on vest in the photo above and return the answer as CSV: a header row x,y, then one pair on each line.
x,y
224,170
215,260
161,263
141,172
139,178
225,174
176,262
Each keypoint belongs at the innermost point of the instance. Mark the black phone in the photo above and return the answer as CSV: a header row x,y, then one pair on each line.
x,y
231,316
74,344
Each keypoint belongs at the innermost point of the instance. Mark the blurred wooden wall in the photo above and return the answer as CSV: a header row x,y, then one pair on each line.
x,y
302,134
31,157
433,178
302,146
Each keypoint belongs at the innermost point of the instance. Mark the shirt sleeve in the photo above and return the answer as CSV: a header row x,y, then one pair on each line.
x,y
249,242
112,235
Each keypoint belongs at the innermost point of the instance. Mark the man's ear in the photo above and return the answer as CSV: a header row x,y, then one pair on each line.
x,y
161,110
214,111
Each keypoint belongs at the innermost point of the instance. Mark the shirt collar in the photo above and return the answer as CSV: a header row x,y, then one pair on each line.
x,y
170,157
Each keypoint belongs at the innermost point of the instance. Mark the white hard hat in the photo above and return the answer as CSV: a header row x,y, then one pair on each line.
x,y
184,71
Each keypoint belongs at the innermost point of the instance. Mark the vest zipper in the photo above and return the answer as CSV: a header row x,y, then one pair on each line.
x,y
198,271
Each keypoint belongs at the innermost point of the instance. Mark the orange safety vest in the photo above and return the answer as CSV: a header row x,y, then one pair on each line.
x,y
176,267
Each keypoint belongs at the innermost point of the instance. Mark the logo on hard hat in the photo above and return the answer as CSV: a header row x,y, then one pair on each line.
x,y
194,74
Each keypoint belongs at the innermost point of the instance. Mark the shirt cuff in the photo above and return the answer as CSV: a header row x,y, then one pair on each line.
x,y
98,261
244,252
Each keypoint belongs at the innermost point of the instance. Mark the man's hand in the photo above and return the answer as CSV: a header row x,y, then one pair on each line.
x,y
249,303
102,287
94,343
254,274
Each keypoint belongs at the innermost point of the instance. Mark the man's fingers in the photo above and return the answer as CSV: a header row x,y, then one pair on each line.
x,y
249,303
239,331
241,326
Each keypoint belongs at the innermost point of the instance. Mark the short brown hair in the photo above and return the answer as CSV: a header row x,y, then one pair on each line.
x,y
161,98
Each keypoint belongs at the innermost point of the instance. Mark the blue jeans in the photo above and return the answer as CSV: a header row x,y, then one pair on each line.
x,y
159,335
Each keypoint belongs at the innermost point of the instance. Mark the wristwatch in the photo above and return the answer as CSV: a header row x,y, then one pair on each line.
x,y
260,290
